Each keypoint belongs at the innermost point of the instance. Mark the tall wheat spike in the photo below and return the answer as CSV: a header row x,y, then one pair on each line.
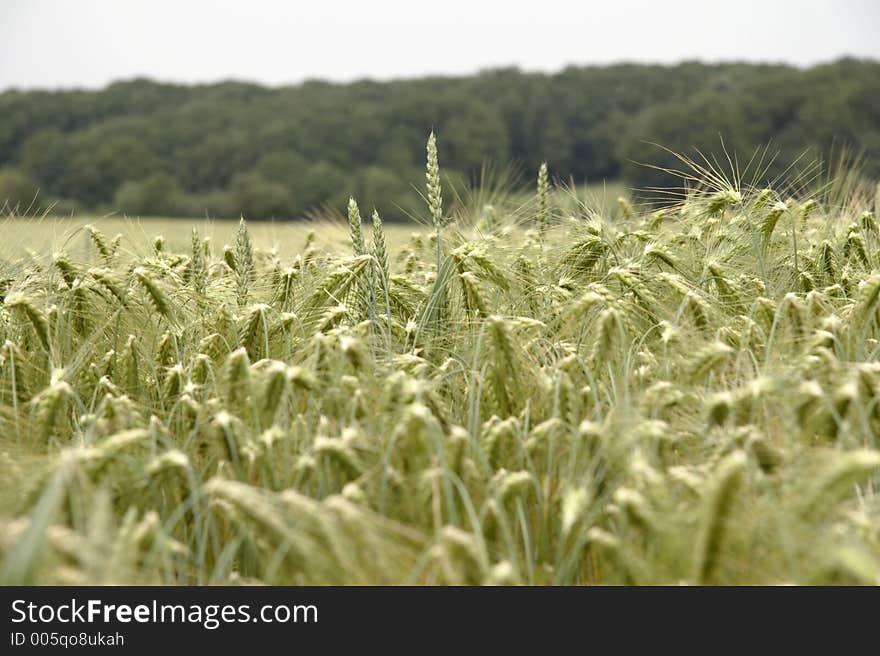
x,y
543,194
435,195
354,228
244,268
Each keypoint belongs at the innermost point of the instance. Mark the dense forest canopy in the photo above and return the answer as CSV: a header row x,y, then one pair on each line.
x,y
232,148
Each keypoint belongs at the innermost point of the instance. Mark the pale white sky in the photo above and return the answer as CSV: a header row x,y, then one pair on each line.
x,y
88,43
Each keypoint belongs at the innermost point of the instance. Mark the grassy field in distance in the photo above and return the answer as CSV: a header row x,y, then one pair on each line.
x,y
46,234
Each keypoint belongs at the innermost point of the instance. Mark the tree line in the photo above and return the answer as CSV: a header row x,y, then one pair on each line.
x,y
145,148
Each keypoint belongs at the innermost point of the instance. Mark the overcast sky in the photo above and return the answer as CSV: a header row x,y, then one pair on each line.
x,y
88,43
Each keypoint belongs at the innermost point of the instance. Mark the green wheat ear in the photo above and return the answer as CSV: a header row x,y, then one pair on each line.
x,y
100,242
255,335
19,301
543,194
716,513
354,228
274,388
244,266
435,196
768,224
380,251
50,409
198,270
157,297
237,378
380,256
68,272
838,479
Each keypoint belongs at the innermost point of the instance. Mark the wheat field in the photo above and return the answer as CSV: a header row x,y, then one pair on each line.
x,y
550,391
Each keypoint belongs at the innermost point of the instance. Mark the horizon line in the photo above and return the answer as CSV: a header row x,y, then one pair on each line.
x,y
379,79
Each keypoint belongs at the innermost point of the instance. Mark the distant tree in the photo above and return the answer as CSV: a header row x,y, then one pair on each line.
x,y
324,183
474,134
284,167
98,165
212,160
735,125
159,195
17,191
379,186
286,151
45,157
257,198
